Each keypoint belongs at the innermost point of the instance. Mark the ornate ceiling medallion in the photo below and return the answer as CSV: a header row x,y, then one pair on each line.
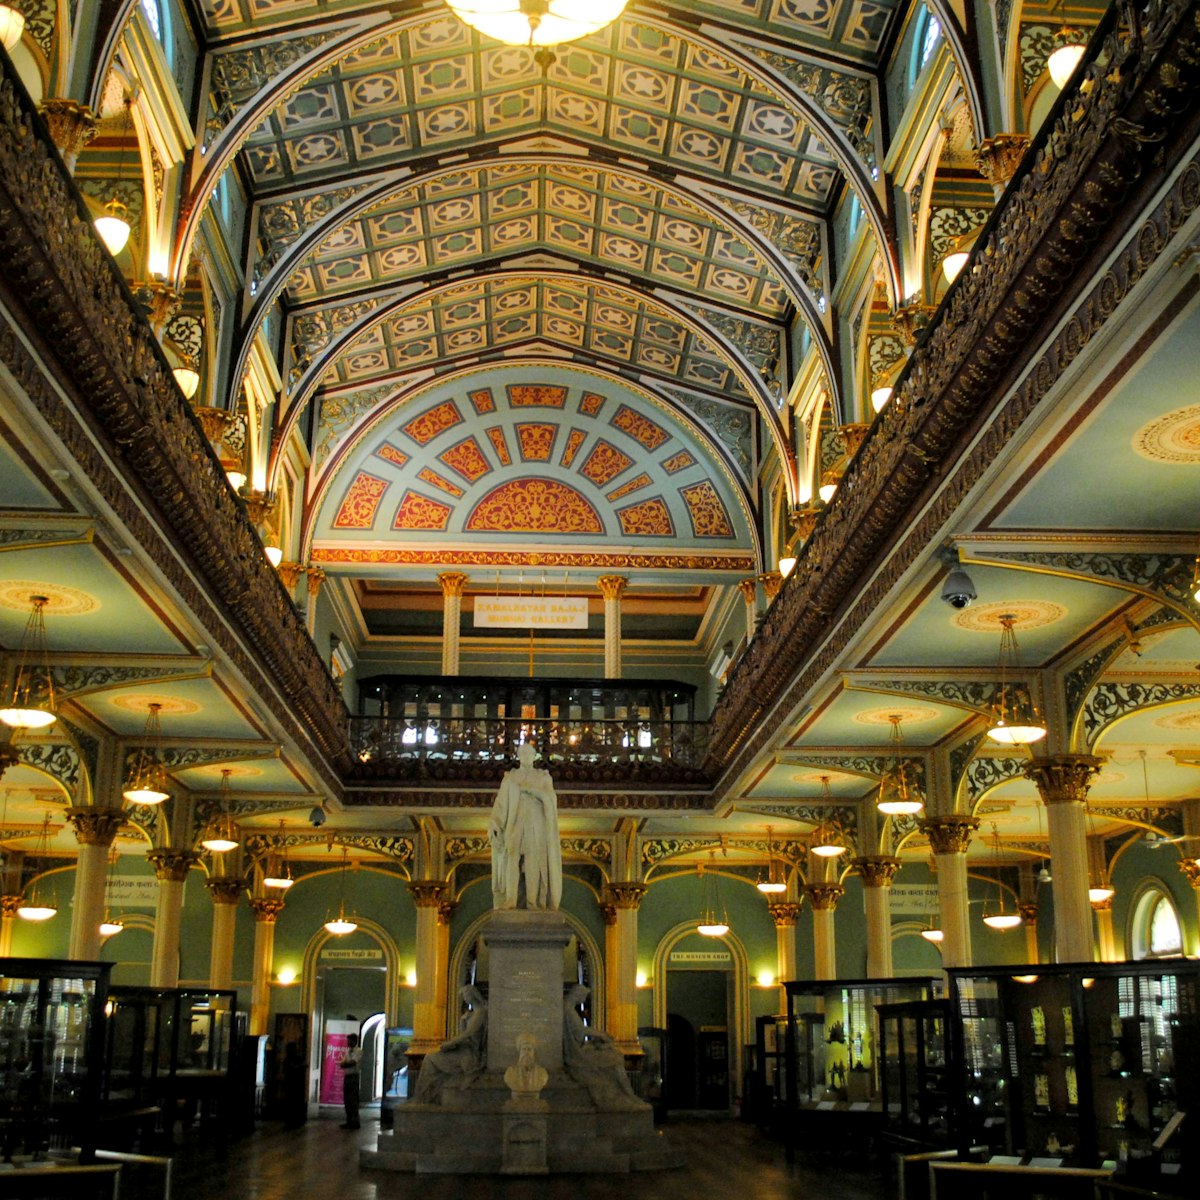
x,y
61,601
1026,614
1172,438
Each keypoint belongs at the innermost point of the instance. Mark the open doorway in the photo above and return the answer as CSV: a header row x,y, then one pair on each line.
x,y
698,1007
352,998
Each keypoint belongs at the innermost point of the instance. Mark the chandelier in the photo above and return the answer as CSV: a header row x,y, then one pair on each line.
x,y
148,785
1069,46
898,795
221,835
714,918
34,906
827,839
1016,721
278,871
113,226
537,22
772,885
998,918
341,925
31,701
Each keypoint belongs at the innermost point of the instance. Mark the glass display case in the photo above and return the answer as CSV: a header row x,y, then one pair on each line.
x,y
832,1059
51,1051
916,1072
1083,1064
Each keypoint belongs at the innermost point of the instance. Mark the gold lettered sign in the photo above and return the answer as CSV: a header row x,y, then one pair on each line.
x,y
531,612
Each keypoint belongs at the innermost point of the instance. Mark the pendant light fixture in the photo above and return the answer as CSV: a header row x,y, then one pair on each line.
x,y
998,918
1100,888
12,23
149,783
933,935
278,871
537,22
187,378
341,925
1069,47
1015,720
109,927
34,905
772,885
31,701
221,835
898,795
827,839
113,226
714,919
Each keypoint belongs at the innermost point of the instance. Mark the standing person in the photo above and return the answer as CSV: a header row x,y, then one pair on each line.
x,y
523,831
351,1064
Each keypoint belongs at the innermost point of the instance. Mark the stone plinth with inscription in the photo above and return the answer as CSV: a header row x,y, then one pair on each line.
x,y
525,992
584,1120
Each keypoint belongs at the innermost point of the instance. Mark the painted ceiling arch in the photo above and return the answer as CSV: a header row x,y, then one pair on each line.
x,y
526,464
684,98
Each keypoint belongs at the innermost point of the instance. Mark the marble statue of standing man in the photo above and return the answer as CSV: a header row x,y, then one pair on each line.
x,y
523,831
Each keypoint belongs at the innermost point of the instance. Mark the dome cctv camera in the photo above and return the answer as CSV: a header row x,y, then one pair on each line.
x,y
958,591
317,817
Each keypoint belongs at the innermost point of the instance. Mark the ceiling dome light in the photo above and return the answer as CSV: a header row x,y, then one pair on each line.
x,y
714,919
880,396
897,796
111,928
36,912
187,378
12,25
1016,721
1002,921
31,701
221,834
149,785
113,228
340,925
933,935
1069,45
537,22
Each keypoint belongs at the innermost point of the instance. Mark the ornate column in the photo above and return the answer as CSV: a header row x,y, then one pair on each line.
x,y
998,158
749,590
1062,781
72,126
620,909
1029,912
771,582
452,583
611,587
170,869
8,918
266,913
226,891
316,577
1189,866
878,871
1106,940
95,829
823,898
429,1015
785,914
949,836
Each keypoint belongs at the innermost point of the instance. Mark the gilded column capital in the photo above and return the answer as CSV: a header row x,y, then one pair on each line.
x,y
95,826
316,577
266,909
289,573
9,906
771,582
785,913
72,126
1028,911
749,589
949,834
1191,869
611,586
427,893
910,320
446,910
877,870
804,521
453,582
214,421
161,302
824,896
998,157
225,889
853,433
1063,778
259,505
172,866
625,895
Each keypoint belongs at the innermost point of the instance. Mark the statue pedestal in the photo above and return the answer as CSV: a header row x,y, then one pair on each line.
x,y
525,984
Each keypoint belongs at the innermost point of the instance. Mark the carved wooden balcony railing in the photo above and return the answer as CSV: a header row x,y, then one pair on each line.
x,y
482,747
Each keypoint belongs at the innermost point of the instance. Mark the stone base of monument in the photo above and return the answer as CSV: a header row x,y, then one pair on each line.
x,y
471,1130
580,1125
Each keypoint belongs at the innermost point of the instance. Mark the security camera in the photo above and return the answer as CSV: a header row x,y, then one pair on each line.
x,y
958,591
316,818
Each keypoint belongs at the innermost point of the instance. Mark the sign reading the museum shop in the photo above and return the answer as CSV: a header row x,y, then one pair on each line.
x,y
352,955
131,891
531,612
694,957
913,898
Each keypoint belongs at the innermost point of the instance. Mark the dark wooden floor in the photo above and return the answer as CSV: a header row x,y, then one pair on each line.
x,y
725,1159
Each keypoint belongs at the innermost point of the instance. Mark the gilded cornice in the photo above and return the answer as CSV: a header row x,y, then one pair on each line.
x,y
1078,199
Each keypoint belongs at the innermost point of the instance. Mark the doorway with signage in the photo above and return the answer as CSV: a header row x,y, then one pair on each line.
x,y
698,1040
351,993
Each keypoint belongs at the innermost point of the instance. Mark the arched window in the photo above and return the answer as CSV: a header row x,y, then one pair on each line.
x,y
925,44
1156,929
153,15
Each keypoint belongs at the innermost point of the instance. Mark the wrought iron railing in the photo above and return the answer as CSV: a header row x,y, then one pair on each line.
x,y
615,742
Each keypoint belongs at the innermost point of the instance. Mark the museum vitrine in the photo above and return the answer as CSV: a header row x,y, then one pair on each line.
x,y
51,1050
1083,1064
916,1073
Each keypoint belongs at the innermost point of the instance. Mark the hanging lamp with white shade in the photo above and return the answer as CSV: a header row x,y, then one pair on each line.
x,y
148,786
998,917
537,22
30,703
341,925
714,918
34,904
1015,720
898,794
221,835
